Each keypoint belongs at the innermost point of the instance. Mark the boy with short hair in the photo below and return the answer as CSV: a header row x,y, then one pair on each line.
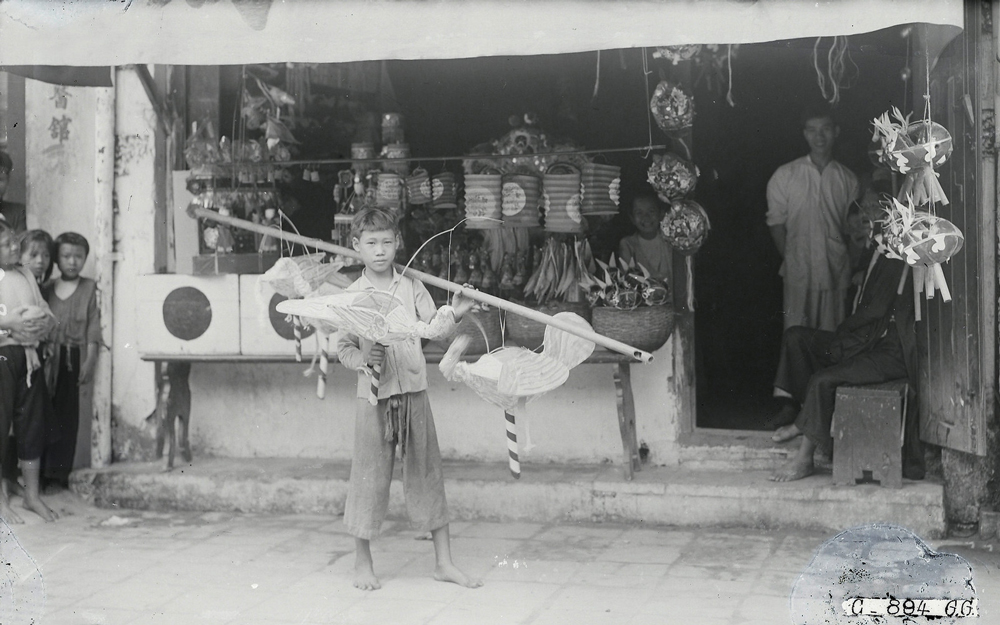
x,y
73,349
22,385
403,413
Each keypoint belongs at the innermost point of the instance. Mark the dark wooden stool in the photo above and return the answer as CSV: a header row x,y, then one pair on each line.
x,y
867,434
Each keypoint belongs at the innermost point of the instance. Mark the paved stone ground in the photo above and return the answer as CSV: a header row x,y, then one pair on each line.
x,y
117,566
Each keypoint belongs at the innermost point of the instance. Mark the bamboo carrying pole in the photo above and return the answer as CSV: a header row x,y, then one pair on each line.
x,y
517,309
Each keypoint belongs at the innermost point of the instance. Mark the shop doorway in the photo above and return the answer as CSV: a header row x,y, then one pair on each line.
x,y
738,318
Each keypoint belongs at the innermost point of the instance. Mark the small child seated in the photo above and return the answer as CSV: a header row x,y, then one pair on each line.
x,y
403,413
22,385
72,353
647,246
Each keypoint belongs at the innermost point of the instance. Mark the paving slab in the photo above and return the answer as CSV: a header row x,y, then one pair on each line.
x,y
121,566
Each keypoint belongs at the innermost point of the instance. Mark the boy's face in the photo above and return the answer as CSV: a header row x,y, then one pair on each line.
x,y
36,258
10,251
377,249
820,133
646,217
71,260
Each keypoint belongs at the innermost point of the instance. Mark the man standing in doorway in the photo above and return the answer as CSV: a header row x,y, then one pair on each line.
x,y
807,203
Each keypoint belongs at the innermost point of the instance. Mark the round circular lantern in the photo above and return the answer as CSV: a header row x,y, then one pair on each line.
x,y
686,226
672,107
672,177
930,240
926,144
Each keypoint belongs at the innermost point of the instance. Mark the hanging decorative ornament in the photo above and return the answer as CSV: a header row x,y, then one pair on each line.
x,y
672,177
676,54
914,149
672,107
923,241
686,226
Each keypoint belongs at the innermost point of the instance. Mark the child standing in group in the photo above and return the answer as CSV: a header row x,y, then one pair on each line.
x,y
22,385
403,414
36,254
73,349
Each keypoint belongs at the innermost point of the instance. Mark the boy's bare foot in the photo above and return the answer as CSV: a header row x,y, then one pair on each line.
x,y
8,515
451,573
785,433
364,576
795,469
364,570
36,505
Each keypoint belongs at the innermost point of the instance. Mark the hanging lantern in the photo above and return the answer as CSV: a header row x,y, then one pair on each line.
x,y
676,54
914,149
672,177
923,241
686,226
672,107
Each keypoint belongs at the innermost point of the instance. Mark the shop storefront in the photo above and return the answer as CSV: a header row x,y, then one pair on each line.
x,y
431,88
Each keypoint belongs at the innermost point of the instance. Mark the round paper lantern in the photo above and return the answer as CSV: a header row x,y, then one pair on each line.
x,y
672,107
930,240
676,54
925,144
672,177
686,226
187,313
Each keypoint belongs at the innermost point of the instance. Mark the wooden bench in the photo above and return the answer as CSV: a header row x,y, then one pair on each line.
x,y
174,396
867,430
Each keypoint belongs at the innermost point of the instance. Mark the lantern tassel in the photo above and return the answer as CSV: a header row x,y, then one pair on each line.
x,y
939,280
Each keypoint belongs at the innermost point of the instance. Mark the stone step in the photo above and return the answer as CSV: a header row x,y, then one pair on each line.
x,y
545,493
732,450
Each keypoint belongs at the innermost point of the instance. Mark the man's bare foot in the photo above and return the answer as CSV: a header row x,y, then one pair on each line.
x,y
451,573
364,577
795,469
8,515
785,433
36,505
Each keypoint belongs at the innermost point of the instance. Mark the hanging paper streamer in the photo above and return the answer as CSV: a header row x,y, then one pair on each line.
x,y
672,107
672,177
914,149
686,226
923,241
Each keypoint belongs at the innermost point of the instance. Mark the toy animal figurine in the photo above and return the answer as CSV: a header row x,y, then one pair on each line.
x,y
506,273
225,242
269,244
475,273
461,274
521,272
489,277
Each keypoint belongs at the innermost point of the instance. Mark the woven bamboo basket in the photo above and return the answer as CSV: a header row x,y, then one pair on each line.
x,y
646,327
529,333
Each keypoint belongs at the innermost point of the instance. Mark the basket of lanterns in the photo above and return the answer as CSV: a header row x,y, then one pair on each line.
x,y
629,305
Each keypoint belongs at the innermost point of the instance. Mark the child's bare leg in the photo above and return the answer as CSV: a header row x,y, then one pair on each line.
x,y
445,570
6,513
31,470
364,569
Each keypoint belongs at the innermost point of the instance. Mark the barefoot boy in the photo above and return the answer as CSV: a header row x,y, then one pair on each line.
x,y
403,414
22,385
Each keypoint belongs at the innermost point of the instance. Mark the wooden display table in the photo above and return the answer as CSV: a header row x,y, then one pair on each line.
x,y
174,395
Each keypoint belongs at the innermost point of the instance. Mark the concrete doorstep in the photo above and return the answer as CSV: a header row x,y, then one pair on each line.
x,y
545,493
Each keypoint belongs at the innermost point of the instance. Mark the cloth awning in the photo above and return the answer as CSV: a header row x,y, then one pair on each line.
x,y
218,32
